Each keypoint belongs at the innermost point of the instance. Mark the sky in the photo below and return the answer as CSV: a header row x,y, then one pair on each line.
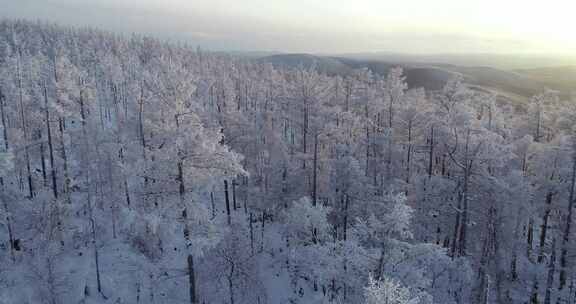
x,y
328,26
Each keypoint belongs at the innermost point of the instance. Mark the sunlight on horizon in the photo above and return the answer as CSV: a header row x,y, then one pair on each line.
x,y
541,27
412,26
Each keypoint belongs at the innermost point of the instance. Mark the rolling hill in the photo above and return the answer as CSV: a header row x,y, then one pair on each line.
x,y
520,84
562,77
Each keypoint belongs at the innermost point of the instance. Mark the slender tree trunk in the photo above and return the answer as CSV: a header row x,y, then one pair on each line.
x,y
380,264
11,238
455,243
538,124
4,125
234,194
121,156
251,221
346,205
514,261
430,167
25,132
367,143
192,281
111,184
96,256
181,184
126,191
141,132
534,297
348,94
390,139
226,197
66,186
530,238
61,127
262,231
487,257
551,272
43,165
315,173
544,227
567,228
50,144
245,202
409,153
213,204
5,133
231,283
464,223
305,131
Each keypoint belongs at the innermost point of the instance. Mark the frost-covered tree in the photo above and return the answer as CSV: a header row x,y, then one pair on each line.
x,y
387,291
134,170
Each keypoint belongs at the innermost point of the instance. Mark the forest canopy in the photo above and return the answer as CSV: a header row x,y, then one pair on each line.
x,y
135,170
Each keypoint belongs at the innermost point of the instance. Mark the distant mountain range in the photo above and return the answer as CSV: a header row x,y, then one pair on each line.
x,y
517,84
494,60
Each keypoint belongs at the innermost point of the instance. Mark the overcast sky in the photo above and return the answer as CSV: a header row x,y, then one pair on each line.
x,y
328,26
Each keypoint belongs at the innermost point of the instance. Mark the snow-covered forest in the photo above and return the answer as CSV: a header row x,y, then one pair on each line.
x,y
140,171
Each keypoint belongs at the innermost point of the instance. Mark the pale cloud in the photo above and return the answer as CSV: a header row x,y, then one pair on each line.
x,y
332,26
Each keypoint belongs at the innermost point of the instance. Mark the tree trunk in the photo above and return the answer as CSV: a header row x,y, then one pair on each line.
x,y
367,143
96,256
262,230
567,228
66,186
391,138
43,165
551,271
534,296
50,144
25,132
304,131
181,186
409,153
4,126
514,260
464,223
11,238
544,227
231,283
538,124
380,265
141,131
212,204
234,194
530,238
431,154
192,281
454,246
122,161
315,173
251,233
227,202
346,205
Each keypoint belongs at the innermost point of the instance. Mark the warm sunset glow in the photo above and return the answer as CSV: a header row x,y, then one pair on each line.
x,y
413,26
